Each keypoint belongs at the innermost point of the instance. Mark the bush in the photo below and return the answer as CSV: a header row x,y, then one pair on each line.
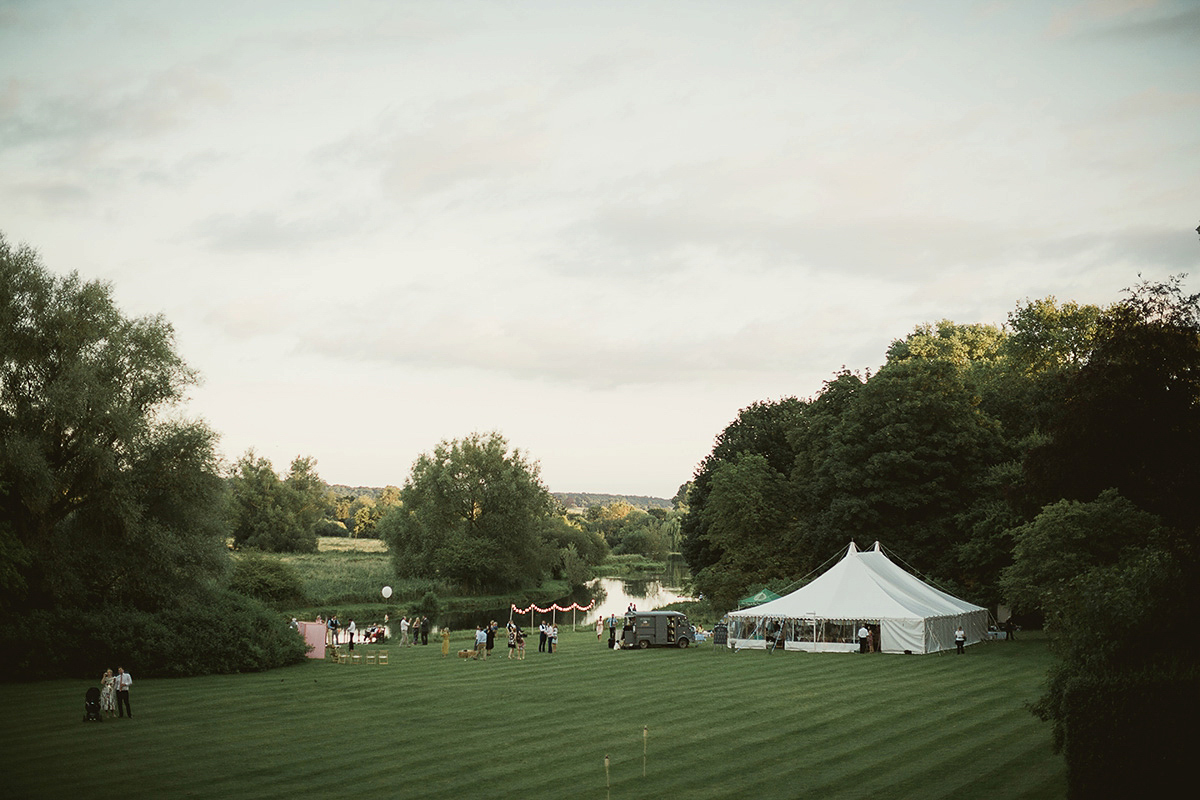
x,y
267,579
208,631
429,605
330,527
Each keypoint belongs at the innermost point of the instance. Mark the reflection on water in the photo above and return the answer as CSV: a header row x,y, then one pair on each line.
x,y
613,595
647,594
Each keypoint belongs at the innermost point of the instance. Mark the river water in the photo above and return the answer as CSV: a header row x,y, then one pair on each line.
x,y
612,596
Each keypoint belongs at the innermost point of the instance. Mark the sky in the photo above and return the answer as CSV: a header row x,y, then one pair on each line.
x,y
599,228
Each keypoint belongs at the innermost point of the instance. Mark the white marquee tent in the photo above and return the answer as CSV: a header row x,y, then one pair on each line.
x,y
906,614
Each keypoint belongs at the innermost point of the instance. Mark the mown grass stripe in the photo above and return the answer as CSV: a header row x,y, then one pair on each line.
x,y
721,725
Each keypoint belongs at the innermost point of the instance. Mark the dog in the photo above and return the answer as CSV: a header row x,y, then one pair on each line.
x,y
468,654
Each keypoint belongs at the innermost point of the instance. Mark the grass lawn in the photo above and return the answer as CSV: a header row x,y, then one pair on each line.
x,y
744,725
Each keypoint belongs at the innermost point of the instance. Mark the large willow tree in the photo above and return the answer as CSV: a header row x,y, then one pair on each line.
x,y
109,505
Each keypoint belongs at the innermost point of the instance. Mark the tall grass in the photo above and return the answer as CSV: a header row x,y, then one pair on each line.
x,y
721,725
351,571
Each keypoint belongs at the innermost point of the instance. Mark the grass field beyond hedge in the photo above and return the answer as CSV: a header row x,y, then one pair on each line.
x,y
744,725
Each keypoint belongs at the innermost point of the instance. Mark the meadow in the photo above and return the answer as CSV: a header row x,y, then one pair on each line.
x,y
718,725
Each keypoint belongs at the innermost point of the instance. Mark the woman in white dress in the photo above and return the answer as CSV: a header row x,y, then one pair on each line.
x,y
108,694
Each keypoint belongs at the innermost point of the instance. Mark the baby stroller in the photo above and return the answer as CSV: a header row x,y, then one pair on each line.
x,y
91,706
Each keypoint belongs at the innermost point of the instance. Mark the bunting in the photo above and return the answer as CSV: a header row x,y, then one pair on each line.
x,y
553,607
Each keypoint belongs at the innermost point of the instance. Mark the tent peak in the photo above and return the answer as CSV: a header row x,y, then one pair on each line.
x,y
852,549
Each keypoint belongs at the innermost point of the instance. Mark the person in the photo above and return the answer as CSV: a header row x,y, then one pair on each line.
x,y
445,642
599,627
425,630
1010,630
960,639
491,636
542,636
480,642
351,629
108,694
404,631
870,640
124,681
862,638
553,639
520,645
612,631
331,630
512,640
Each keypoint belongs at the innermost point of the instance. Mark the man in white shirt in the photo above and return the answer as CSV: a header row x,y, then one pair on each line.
x,y
124,681
480,642
863,633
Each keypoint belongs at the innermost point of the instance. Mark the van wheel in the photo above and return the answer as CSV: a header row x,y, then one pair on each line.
x,y
644,643
683,643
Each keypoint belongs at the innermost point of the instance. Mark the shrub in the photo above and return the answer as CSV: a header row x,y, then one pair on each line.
x,y
429,605
208,631
267,579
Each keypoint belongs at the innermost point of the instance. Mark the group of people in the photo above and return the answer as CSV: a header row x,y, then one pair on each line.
x,y
335,633
418,626
485,640
547,638
866,639
114,693
611,624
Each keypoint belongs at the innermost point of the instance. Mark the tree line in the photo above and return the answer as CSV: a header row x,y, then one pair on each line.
x,y
1051,463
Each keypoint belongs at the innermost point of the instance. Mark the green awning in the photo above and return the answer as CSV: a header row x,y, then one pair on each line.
x,y
759,597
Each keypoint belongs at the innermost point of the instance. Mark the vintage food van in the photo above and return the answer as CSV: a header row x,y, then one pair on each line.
x,y
657,629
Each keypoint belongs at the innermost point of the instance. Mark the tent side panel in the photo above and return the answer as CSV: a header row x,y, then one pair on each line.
x,y
898,635
941,630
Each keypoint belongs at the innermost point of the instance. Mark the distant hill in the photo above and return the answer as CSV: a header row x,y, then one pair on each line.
x,y
570,500
582,500
340,489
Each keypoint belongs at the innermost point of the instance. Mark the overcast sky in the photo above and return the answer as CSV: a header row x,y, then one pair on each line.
x,y
600,228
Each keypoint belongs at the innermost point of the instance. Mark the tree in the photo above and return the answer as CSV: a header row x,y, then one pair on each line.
x,y
111,507
1066,540
748,508
104,500
271,514
474,513
1123,691
905,458
761,428
1117,573
1130,418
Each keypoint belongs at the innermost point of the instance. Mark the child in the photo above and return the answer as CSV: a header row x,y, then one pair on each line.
x,y
520,645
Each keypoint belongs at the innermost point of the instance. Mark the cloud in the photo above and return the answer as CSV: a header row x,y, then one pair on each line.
x,y
560,351
267,231
98,112
1183,26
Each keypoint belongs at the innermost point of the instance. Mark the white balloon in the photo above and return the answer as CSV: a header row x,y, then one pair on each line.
x,y
387,592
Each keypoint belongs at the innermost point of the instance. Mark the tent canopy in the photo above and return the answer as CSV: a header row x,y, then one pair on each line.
x,y
864,587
